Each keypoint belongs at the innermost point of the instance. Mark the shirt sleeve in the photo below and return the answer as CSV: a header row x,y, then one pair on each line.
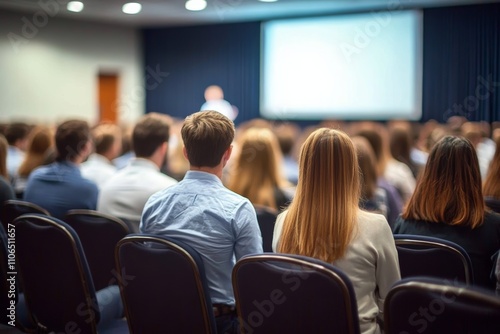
x,y
248,235
278,226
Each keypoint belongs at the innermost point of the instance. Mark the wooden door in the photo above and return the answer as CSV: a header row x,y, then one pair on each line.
x,y
108,98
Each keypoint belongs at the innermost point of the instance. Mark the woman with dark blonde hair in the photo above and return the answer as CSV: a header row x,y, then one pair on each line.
x,y
448,203
256,172
491,185
324,221
40,142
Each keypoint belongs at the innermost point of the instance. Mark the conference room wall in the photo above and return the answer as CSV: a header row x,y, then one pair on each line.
x,y
49,68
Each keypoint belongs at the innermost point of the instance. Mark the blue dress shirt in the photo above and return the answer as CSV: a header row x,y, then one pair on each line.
x,y
218,223
60,187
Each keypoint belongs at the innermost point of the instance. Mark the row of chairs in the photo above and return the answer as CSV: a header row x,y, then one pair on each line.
x,y
133,276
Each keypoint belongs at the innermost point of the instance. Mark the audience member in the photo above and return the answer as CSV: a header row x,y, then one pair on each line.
x,y
256,172
220,224
401,144
6,191
60,187
40,141
125,193
373,198
177,164
324,222
108,145
448,203
17,137
127,153
287,134
491,185
214,97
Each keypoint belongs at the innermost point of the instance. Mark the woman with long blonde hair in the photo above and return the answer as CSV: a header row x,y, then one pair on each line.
x,y
324,221
256,172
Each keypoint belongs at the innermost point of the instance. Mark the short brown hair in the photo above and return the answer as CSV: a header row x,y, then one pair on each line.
x,y
16,131
149,133
449,189
104,136
71,138
207,135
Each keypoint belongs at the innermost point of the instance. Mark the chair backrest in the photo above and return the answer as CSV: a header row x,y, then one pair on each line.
x,y
493,203
266,218
278,293
54,274
426,305
433,257
12,209
163,285
99,234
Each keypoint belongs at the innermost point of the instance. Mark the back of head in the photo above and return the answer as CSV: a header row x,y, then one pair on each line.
x,y
400,142
322,217
214,92
287,134
255,173
376,141
107,139
16,132
207,135
40,141
366,161
71,138
3,157
449,189
150,132
491,186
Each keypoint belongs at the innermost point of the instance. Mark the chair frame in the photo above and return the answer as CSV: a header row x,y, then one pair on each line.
x,y
81,271
36,209
426,285
300,261
436,243
143,238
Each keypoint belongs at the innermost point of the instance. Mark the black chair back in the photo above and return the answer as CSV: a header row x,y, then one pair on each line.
x,y
278,293
166,287
99,234
425,305
493,203
57,284
433,257
267,218
12,209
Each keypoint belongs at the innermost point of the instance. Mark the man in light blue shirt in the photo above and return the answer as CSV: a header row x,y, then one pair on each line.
x,y
220,224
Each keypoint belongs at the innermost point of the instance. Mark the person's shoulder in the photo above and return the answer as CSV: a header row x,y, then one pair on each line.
x,y
492,218
373,224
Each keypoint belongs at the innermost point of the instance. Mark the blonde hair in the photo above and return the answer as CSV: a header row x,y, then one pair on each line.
x,y
256,170
322,217
40,141
491,186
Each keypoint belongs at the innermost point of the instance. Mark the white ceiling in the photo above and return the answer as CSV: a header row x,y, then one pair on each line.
x,y
172,12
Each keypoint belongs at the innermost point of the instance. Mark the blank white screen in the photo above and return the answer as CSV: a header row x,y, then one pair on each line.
x,y
358,66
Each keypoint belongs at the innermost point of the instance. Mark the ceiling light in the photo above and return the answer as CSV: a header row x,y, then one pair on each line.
x,y
132,8
196,5
268,0
75,6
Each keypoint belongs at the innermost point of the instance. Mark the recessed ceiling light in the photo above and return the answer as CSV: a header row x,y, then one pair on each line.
x,y
268,0
75,6
132,8
196,5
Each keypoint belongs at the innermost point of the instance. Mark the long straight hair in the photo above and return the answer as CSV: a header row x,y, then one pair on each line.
x,y
3,157
40,140
491,185
322,217
449,189
256,170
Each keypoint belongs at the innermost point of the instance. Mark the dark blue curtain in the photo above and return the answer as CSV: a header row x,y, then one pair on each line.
x,y
462,63
461,69
195,57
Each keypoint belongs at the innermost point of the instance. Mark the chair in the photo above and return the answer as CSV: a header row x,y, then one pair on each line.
x,y
278,293
12,209
166,288
267,218
493,203
434,257
426,305
99,234
18,315
58,288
